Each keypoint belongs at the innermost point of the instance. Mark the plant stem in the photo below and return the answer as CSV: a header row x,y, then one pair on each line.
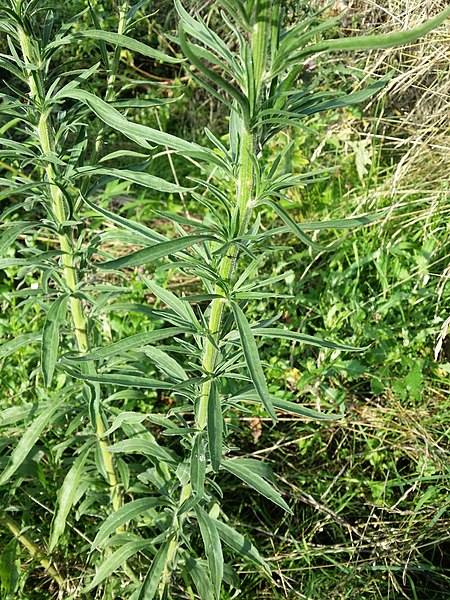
x,y
34,550
46,139
241,216
243,206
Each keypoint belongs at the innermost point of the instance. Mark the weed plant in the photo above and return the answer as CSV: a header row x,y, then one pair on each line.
x,y
138,492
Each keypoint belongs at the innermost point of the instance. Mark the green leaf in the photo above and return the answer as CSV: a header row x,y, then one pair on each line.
x,y
140,133
166,363
124,515
31,435
348,223
200,578
372,42
213,548
292,225
65,498
124,380
118,558
115,39
9,572
349,99
311,340
286,406
240,544
142,446
50,337
25,339
255,481
133,341
12,232
180,307
148,255
252,359
139,177
198,466
131,226
215,427
153,577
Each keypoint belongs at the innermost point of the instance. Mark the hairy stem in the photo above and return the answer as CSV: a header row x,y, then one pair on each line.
x,y
59,209
242,213
243,206
34,550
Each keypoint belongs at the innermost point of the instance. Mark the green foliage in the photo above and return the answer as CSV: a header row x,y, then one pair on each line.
x,y
148,487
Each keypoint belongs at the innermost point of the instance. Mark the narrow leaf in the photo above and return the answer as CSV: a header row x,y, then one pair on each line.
x,y
311,340
138,177
25,339
213,548
65,499
147,255
31,435
153,577
240,544
125,514
118,558
255,481
215,427
141,446
372,42
252,359
50,337
115,39
133,341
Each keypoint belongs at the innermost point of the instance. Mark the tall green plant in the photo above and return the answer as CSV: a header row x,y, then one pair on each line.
x,y
210,361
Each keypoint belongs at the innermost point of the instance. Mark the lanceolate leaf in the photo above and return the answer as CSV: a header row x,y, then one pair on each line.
x,y
66,496
311,340
372,42
141,446
252,359
25,339
133,341
213,548
32,434
50,337
125,514
115,39
131,226
255,481
286,406
124,380
148,255
138,177
293,226
136,131
240,544
215,427
179,306
153,577
118,558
